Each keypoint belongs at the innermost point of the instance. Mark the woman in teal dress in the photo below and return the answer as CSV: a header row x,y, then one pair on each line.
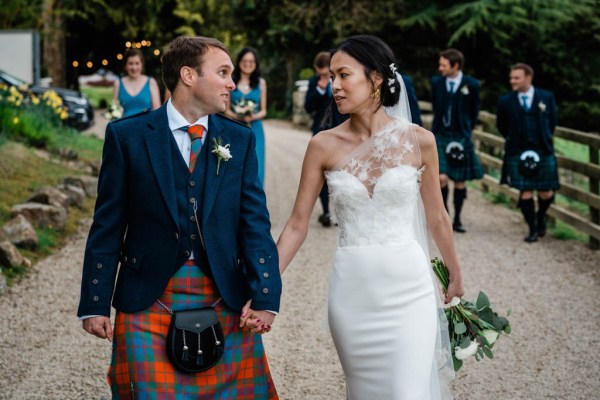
x,y
136,92
249,100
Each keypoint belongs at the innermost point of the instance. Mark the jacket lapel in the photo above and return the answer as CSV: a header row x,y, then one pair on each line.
x,y
212,180
158,144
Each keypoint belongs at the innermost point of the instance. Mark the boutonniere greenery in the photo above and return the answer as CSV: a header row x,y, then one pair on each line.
x,y
221,152
542,106
465,90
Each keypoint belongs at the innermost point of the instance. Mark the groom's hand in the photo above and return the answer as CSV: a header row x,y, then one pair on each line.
x,y
99,326
256,321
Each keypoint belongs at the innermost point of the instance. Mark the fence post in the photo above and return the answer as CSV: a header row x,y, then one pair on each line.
x,y
594,188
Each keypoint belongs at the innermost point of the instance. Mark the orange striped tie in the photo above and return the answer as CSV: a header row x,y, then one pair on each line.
x,y
195,132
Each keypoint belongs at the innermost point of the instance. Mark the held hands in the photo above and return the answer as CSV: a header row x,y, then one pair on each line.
x,y
99,326
257,321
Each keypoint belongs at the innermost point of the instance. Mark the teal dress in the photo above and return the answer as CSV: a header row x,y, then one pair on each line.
x,y
257,127
135,104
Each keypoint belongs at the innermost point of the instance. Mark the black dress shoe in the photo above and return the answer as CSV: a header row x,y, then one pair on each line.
x,y
541,230
325,220
457,227
532,237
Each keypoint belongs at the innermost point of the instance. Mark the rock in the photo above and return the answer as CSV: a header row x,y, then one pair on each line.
x,y
75,194
27,262
88,183
3,286
51,196
42,215
20,232
9,255
95,167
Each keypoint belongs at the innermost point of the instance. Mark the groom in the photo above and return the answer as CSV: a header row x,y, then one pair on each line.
x,y
185,225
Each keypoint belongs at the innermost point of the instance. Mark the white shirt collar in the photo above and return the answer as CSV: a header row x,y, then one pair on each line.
x,y
457,79
528,93
177,121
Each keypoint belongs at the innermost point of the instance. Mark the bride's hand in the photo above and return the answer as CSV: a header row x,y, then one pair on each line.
x,y
455,289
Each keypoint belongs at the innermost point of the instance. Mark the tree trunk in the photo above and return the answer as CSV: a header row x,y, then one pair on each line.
x,y
54,58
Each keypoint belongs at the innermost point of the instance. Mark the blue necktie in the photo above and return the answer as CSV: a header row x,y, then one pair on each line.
x,y
524,101
451,91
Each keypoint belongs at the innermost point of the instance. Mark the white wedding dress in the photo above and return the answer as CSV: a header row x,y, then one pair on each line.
x,y
384,308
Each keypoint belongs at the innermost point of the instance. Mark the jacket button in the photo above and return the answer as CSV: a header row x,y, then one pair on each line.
x,y
193,236
124,259
96,298
239,261
99,265
176,236
192,183
266,274
133,260
265,290
193,219
261,260
186,254
95,281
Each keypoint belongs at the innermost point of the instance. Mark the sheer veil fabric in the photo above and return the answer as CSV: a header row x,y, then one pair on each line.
x,y
375,191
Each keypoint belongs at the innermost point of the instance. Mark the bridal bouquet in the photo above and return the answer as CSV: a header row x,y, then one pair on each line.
x,y
474,328
244,108
115,111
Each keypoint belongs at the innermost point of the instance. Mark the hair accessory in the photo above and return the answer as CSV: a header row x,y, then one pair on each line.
x,y
391,81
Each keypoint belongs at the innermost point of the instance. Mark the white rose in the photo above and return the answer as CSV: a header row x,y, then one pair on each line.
x,y
465,90
490,335
463,354
542,106
454,302
224,152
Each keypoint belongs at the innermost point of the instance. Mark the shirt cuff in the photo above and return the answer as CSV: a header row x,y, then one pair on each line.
x,y
88,316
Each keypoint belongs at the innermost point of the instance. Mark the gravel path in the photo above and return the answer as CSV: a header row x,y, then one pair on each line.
x,y
551,286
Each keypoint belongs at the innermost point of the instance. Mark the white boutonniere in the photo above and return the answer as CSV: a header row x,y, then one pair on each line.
x,y
221,152
465,90
542,106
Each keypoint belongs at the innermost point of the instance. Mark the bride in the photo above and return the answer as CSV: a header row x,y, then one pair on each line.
x,y
384,307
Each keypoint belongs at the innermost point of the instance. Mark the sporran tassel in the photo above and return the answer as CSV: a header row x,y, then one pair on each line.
x,y
184,355
199,357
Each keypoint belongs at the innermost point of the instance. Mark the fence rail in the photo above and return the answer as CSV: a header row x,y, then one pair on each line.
x,y
488,145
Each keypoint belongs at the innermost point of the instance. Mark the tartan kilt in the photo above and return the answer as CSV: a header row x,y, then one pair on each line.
x,y
472,168
546,178
140,368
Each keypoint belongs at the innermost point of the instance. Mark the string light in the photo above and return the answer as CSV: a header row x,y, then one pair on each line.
x,y
75,64
128,44
119,56
90,64
144,43
156,52
105,62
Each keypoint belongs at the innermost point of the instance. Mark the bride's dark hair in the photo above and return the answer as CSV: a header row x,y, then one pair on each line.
x,y
375,55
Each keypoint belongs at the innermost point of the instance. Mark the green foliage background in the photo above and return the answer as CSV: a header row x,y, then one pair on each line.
x,y
558,38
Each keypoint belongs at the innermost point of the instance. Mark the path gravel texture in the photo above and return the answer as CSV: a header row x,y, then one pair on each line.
x,y
551,286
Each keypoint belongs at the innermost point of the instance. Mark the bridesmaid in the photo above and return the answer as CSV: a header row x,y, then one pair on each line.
x,y
135,91
250,87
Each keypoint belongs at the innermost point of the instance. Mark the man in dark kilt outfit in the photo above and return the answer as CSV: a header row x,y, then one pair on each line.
x,y
526,117
455,100
184,223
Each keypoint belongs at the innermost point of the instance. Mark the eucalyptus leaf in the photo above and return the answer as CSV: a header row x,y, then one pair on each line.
x,y
509,312
482,301
507,329
488,352
460,328
457,363
465,342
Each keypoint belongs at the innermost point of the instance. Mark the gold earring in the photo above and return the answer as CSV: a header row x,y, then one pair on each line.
x,y
375,94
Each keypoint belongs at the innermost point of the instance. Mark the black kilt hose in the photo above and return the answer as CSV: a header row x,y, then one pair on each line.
x,y
470,169
545,179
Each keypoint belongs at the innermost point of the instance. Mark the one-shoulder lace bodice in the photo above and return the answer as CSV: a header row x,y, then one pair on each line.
x,y
375,190
385,217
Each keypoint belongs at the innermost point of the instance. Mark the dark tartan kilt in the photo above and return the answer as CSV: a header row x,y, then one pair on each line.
x,y
472,167
140,368
546,178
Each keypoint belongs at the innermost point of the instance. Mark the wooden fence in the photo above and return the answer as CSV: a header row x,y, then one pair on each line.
x,y
490,147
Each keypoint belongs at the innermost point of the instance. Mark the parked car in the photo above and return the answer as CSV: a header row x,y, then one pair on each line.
x,y
81,112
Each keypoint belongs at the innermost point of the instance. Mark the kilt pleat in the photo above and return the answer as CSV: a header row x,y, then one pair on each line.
x,y
140,368
471,169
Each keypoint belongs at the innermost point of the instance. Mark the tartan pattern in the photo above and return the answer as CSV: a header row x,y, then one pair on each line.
x,y
546,179
196,132
140,368
472,168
